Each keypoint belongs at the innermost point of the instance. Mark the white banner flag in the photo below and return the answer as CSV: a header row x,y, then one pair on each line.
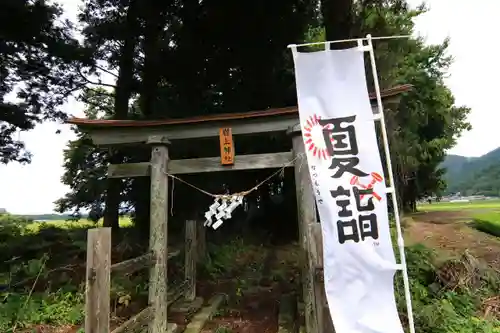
x,y
348,180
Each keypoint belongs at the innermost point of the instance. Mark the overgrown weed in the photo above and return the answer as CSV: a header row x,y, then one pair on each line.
x,y
233,258
22,310
449,297
42,271
45,285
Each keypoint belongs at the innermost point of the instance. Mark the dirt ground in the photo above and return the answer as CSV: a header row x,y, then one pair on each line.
x,y
448,231
254,313
254,309
257,311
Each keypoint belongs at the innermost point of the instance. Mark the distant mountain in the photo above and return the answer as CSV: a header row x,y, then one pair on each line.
x,y
473,175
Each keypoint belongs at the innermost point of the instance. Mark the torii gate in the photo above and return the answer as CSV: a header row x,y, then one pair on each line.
x,y
161,134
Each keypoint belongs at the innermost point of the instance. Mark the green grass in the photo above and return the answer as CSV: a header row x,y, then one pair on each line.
x,y
450,206
42,269
488,222
43,265
79,224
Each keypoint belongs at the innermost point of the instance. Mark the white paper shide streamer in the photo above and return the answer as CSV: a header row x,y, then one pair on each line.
x,y
221,210
349,183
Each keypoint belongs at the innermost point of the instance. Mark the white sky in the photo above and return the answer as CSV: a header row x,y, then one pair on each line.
x,y
32,189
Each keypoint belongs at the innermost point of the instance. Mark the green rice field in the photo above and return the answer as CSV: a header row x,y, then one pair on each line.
x,y
488,222
483,215
457,206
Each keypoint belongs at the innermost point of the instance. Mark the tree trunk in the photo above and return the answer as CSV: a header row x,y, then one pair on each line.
x,y
141,190
122,95
153,20
111,211
337,19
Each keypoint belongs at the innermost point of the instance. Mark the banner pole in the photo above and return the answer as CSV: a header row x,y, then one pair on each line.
x,y
400,239
290,46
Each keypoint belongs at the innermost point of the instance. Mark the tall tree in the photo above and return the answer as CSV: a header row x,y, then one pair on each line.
x,y
426,122
187,62
112,31
338,19
85,165
38,57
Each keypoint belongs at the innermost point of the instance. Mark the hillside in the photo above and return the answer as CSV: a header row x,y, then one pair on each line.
x,y
473,175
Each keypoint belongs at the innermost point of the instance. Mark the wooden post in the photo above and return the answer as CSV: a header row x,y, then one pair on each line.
x,y
98,280
201,240
190,259
158,234
324,317
306,209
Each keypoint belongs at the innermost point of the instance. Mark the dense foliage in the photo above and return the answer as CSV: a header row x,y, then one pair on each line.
x,y
38,70
473,175
426,122
186,58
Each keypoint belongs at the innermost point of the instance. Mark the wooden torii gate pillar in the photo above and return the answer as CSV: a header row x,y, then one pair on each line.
x,y
316,313
158,233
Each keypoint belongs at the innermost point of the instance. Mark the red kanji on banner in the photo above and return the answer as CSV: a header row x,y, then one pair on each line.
x,y
376,178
